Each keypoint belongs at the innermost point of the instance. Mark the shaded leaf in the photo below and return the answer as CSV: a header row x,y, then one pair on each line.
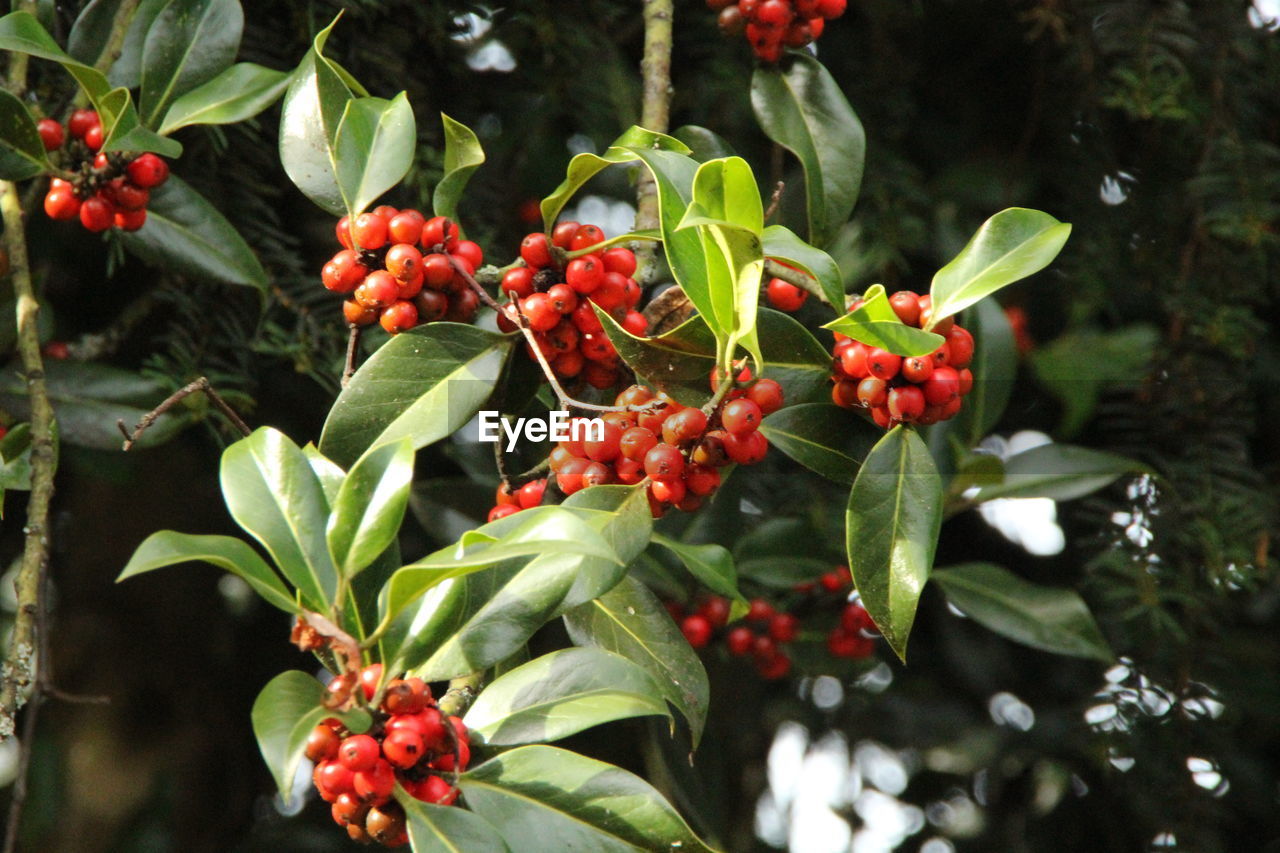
x,y
782,244
822,437
170,548
235,95
447,829
712,565
1062,472
22,154
462,156
369,506
190,42
373,148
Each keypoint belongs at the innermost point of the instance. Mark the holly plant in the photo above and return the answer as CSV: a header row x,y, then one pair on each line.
x,y
622,379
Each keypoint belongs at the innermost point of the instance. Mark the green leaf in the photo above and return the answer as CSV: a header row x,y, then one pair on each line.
x,y
541,798
822,437
92,29
373,148
892,524
712,565
526,597
783,572
875,324
680,361
994,367
187,234
1062,472
802,109
462,156
22,154
370,506
127,70
561,694
190,42
703,144
15,460
89,398
1045,618
274,495
1076,367
169,548
1009,246
782,244
235,95
630,621
329,474
284,713
424,385
313,107
448,829
20,32
729,217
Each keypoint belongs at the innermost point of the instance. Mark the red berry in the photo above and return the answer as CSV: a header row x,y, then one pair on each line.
x,y
403,748
701,480
375,785
517,282
853,360
620,260
50,133
585,274
739,640
93,137
333,779
774,13
747,449
917,369
960,343
378,290
697,630
344,272
767,394
845,393
774,667
831,581
399,316
966,381
562,234
501,512
784,295
741,417
663,462
612,292
668,491
126,196
540,312
348,810
636,442
358,752
906,403
386,824
370,677
942,387
585,319
783,627
439,231
759,610
370,231
569,475
530,494
96,214
129,220
60,203
585,237
436,790
608,447
883,364
404,261
906,304
358,315
636,324
872,392
563,298
81,121
716,610
147,171
831,8
437,271
406,227
683,426
536,250
322,744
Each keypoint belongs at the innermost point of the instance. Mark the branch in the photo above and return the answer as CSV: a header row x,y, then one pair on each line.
x,y
353,351
774,200
655,114
461,693
201,384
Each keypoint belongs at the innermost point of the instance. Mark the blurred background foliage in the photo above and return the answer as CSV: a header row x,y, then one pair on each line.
x,y
1152,125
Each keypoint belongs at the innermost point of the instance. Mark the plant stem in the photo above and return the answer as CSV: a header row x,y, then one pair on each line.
x,y
201,384
655,114
461,693
353,353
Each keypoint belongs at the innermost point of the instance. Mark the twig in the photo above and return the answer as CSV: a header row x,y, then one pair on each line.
x,y
655,114
500,459
461,693
774,200
353,350
201,384
517,317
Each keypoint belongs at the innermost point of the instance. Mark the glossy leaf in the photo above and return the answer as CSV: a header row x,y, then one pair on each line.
x,y
680,362
800,107
630,621
1047,618
703,144
185,233
1009,246
782,244
712,565
1076,367
1062,472
524,599
424,385
313,108
783,573
822,437
369,506
15,461
22,154
548,800
235,95
729,217
190,42
462,156
994,368
447,829
89,398
170,548
284,713
329,474
875,324
22,33
90,34
274,495
892,524
560,694
374,148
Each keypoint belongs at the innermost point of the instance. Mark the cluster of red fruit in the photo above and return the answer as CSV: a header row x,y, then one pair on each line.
x,y
771,25
105,190
401,269
555,295
765,628
920,390
411,743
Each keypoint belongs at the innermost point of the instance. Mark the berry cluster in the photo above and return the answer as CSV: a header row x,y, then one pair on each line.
x,y
399,268
105,190
920,390
767,629
677,448
508,501
411,743
555,293
771,25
